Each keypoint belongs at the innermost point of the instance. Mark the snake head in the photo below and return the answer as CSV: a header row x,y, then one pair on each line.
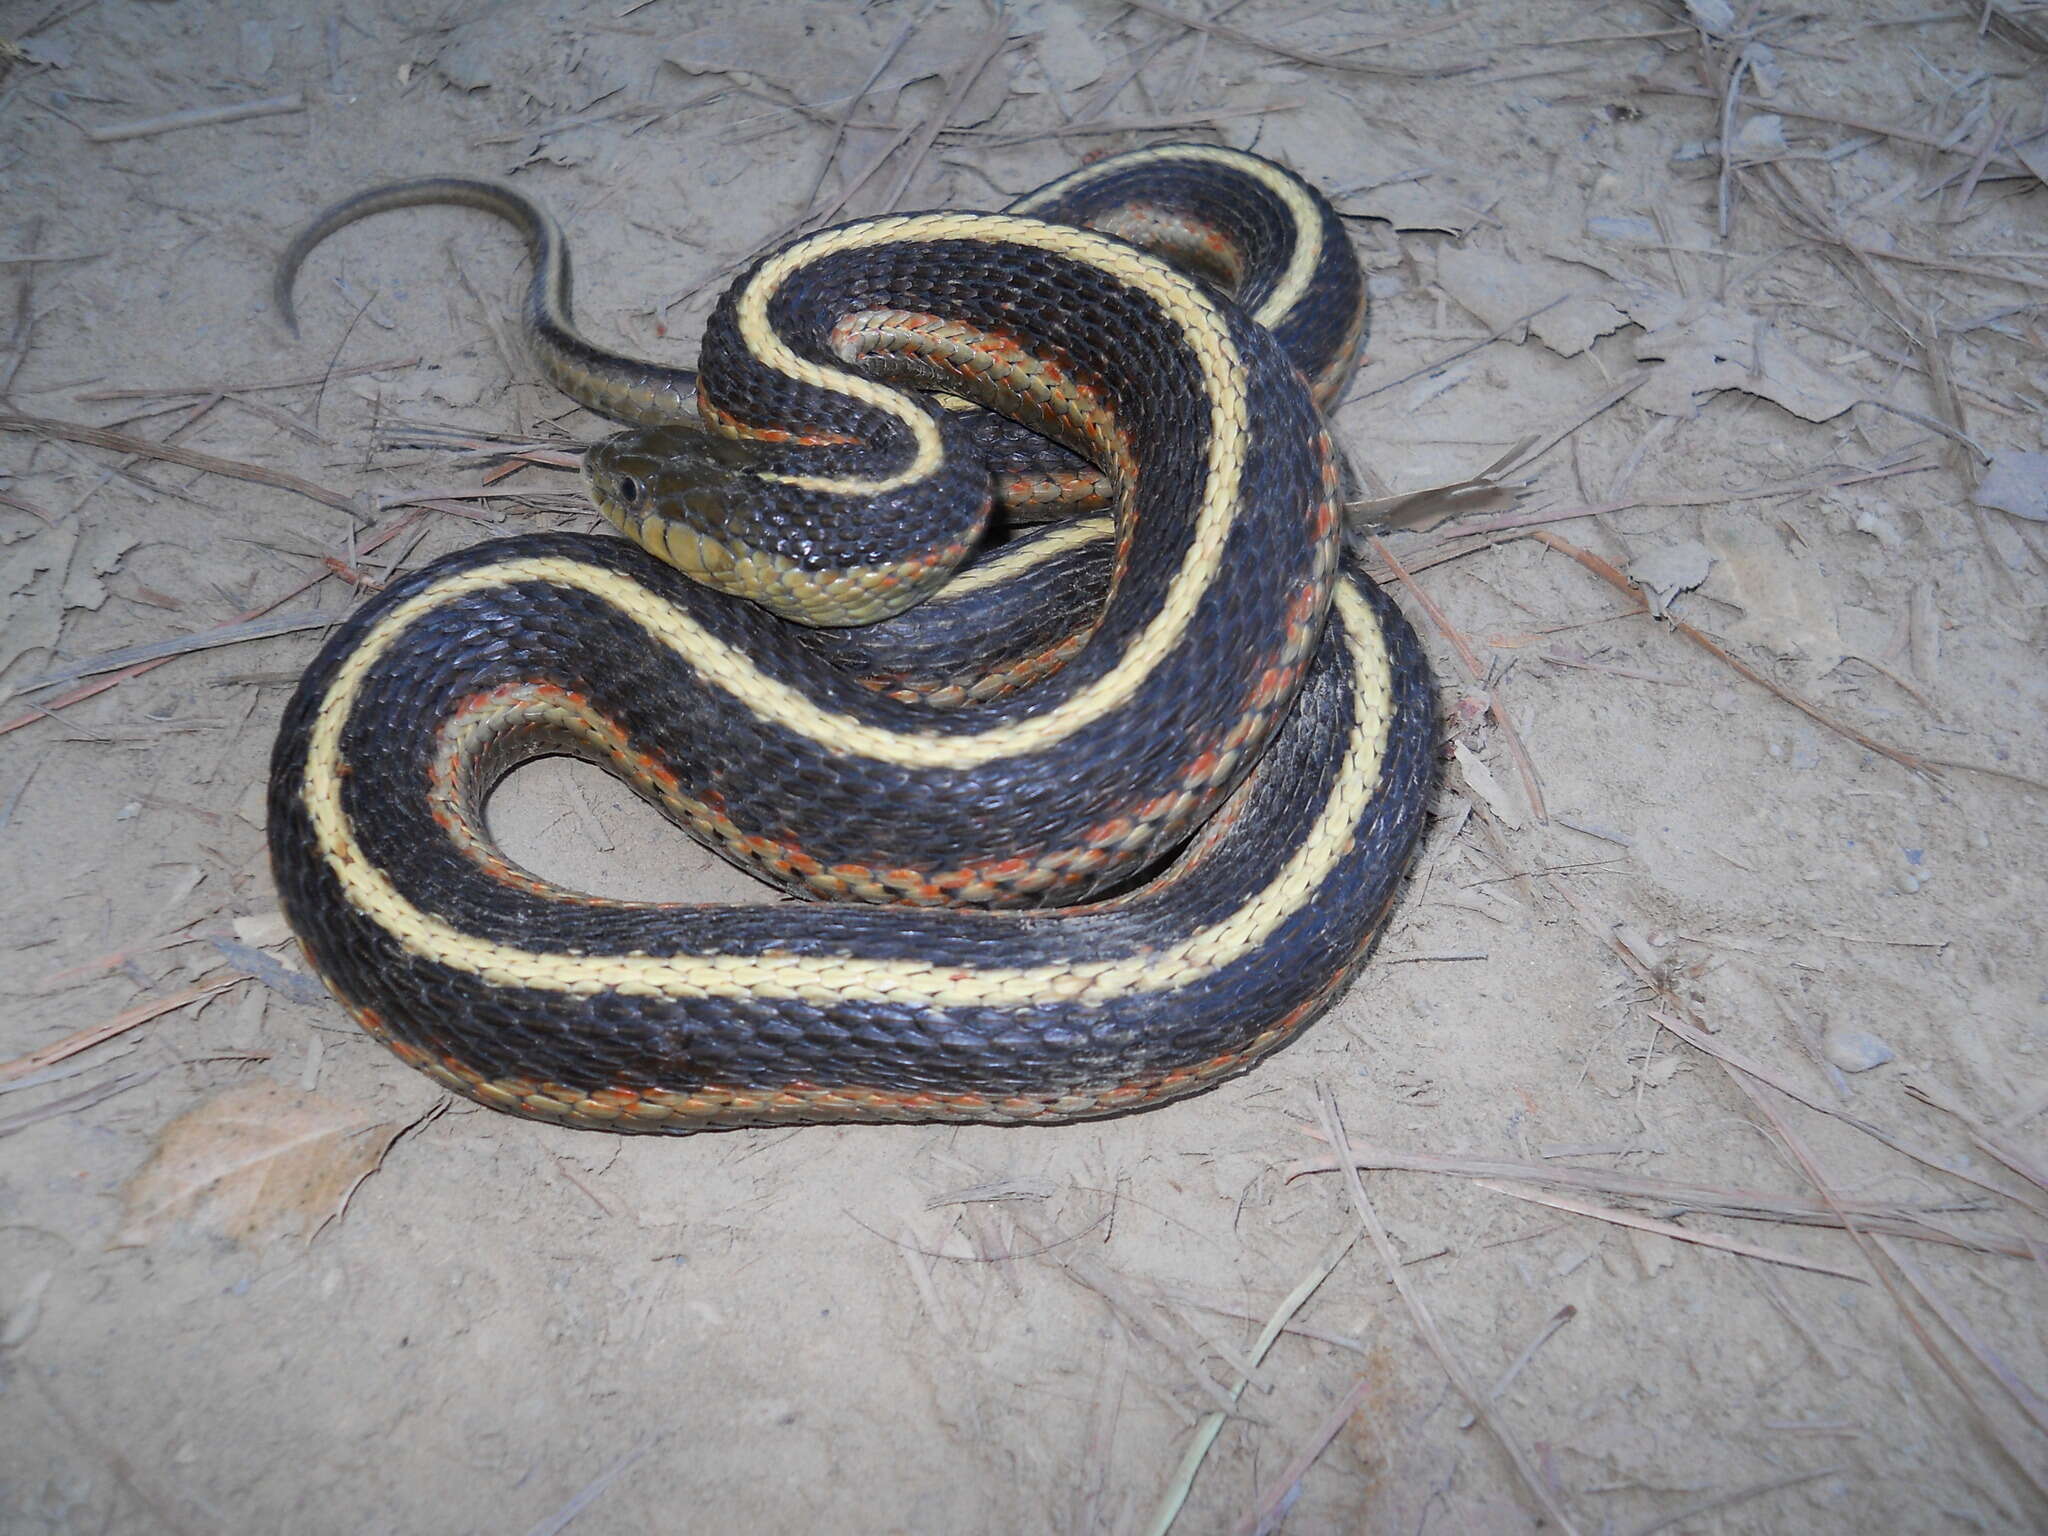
x,y
663,480
754,519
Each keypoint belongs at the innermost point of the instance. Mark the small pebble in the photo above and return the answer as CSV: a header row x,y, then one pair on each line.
x,y
1855,1050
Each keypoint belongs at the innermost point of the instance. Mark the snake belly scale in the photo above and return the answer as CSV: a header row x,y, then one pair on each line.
x,y
1105,818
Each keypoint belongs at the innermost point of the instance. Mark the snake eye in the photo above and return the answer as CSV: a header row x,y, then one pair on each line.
x,y
629,490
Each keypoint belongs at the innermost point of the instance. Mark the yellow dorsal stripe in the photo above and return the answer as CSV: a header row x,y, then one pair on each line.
x,y
1177,295
1010,564
1301,208
829,979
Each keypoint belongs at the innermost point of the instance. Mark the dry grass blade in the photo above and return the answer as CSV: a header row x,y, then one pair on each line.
x,y
1281,1490
1175,1498
84,691
1668,1229
233,469
1733,1060
1622,584
1992,1428
177,645
1480,1403
1724,1500
119,1024
1319,60
1708,1200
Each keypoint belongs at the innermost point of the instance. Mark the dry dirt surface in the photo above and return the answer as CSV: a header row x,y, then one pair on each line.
x,y
1696,1092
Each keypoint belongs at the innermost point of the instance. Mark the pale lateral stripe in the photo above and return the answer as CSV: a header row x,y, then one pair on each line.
x,y
827,980
1010,564
1176,294
1308,223
732,671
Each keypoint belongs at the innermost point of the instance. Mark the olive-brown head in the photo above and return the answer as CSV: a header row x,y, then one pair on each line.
x,y
726,513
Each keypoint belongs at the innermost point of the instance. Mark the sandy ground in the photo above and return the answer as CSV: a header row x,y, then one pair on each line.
x,y
1765,382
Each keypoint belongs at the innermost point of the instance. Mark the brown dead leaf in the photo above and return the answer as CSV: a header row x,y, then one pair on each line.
x,y
257,1163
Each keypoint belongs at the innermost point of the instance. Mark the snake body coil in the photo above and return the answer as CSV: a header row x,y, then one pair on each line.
x,y
1230,698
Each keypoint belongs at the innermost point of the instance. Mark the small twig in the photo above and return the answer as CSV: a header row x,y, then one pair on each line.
x,y
71,1103
1540,515
1136,1315
1281,1489
46,258
853,103
198,117
560,1520
85,691
1451,357
178,1521
847,193
99,965
1861,125
24,315
1983,1135
1735,1061
1672,1195
1003,138
300,381
1767,1282
46,517
1967,187
1731,99
1535,448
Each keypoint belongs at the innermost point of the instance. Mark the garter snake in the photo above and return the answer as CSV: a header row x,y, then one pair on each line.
x,y
1115,885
